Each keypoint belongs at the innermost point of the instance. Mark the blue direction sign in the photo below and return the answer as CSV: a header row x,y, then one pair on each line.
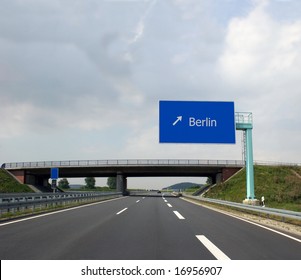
x,y
196,122
54,174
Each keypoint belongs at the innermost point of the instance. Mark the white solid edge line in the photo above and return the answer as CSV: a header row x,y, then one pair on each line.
x,y
247,221
179,215
215,251
121,211
57,212
169,205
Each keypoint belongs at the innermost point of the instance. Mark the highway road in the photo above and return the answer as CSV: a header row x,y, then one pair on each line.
x,y
144,228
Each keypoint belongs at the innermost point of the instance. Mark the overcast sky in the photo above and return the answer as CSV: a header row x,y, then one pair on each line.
x,y
82,79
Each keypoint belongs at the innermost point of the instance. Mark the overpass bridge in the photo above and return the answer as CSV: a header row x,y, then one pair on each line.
x,y
38,173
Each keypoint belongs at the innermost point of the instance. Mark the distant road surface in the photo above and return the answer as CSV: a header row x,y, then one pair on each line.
x,y
142,228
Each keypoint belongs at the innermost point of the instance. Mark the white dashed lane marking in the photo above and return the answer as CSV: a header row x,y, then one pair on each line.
x,y
179,215
121,211
216,252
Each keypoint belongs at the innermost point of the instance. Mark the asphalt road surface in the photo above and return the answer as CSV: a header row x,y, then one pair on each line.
x,y
142,228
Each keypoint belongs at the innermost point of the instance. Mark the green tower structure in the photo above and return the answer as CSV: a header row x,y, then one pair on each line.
x,y
244,122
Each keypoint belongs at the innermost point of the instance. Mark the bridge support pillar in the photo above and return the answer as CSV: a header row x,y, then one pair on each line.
x,y
121,183
219,178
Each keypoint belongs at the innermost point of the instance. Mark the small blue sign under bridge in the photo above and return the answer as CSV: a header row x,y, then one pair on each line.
x,y
54,173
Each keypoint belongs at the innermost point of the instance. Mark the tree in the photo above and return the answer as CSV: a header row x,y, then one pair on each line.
x,y
111,182
64,184
90,182
209,181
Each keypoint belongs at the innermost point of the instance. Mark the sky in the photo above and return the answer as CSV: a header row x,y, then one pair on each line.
x,y
82,79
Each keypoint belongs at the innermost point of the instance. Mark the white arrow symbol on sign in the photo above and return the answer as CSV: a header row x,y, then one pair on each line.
x,y
179,119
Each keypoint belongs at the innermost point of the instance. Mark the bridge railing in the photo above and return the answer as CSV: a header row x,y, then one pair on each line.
x,y
137,162
120,162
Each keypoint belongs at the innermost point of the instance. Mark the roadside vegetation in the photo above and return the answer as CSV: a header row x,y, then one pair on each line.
x,y
280,185
90,185
9,185
193,189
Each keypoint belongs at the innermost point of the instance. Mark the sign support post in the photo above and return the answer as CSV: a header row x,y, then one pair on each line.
x,y
244,121
249,165
54,175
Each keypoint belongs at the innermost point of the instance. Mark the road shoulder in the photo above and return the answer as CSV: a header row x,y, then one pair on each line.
x,y
286,228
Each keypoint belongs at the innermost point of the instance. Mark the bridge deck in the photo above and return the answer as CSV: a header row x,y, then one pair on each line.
x,y
122,162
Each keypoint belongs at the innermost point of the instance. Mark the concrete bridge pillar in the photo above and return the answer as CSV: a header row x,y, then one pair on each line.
x,y
121,183
219,178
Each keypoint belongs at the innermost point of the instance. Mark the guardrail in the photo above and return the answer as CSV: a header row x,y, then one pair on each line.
x,y
11,203
284,214
119,162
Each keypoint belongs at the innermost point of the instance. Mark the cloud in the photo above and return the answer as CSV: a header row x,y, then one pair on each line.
x,y
145,141
75,76
13,118
191,9
259,45
260,63
262,54
138,33
94,71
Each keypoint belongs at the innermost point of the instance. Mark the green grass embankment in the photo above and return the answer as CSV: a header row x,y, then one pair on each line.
x,y
280,185
9,185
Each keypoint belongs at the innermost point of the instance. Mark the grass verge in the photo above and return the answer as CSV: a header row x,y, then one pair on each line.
x,y
280,185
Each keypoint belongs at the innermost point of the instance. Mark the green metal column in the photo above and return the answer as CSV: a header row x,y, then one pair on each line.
x,y
249,165
244,122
